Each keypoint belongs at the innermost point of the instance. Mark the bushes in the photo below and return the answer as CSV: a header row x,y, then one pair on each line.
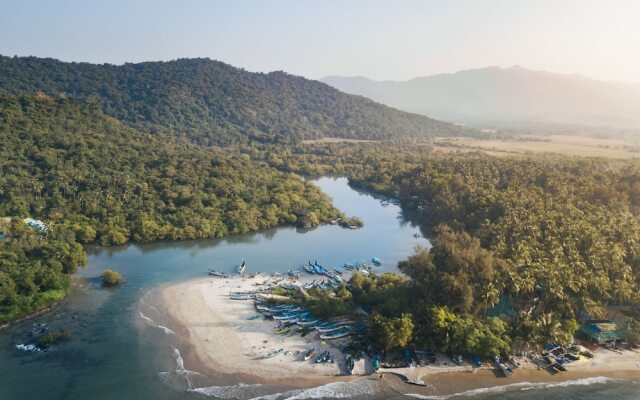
x,y
51,338
110,278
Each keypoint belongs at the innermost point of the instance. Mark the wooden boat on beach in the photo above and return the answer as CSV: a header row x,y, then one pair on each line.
x,y
242,296
350,363
219,274
336,335
331,328
308,322
271,354
242,267
309,354
503,366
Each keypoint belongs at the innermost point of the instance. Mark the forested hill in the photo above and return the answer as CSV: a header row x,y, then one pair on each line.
x,y
215,103
65,162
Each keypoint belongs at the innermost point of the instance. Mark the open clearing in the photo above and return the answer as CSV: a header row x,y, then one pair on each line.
x,y
553,144
337,140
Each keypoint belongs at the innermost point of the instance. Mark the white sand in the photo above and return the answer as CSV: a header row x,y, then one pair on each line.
x,y
608,361
225,340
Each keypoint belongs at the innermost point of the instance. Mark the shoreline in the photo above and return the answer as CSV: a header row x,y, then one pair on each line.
x,y
34,314
44,309
218,339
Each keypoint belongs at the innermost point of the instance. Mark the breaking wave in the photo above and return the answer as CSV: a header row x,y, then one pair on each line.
x,y
334,390
166,330
180,377
239,391
522,386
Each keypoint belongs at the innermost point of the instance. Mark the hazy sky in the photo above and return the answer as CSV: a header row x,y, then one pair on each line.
x,y
392,39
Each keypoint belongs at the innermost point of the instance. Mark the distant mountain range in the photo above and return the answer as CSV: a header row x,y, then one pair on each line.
x,y
498,97
213,103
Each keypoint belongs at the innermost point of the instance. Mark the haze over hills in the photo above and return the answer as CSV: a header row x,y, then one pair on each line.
x,y
215,103
497,97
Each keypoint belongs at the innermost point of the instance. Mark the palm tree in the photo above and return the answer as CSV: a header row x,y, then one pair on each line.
x,y
549,328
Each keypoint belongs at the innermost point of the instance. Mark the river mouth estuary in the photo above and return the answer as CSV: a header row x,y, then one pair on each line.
x,y
123,347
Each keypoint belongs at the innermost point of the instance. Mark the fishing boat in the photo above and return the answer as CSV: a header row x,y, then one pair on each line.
x,y
280,311
277,282
339,270
330,285
338,279
376,261
252,317
293,274
242,296
283,331
309,285
286,324
309,354
552,363
581,350
290,286
350,362
332,328
336,335
416,382
285,316
555,362
217,273
308,269
271,354
503,366
408,357
324,358
308,322
242,267
290,317
376,362
317,268
326,325
476,361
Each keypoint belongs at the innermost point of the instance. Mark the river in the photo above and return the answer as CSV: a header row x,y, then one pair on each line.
x,y
107,358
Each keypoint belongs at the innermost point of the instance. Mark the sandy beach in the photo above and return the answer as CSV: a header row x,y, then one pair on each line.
x,y
221,338
224,339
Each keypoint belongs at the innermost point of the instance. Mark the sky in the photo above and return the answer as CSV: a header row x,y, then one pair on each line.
x,y
382,40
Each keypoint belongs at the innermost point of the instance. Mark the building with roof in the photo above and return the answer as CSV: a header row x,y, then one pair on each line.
x,y
601,331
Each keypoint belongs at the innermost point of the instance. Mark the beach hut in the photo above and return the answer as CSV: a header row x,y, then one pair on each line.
x,y
601,332
36,224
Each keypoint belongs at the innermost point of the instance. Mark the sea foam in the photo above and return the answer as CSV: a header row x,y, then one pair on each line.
x,y
521,386
166,330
